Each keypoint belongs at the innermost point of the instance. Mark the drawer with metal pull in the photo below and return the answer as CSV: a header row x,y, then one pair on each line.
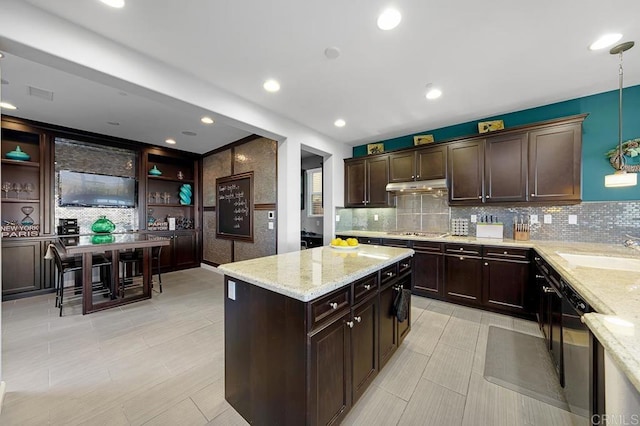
x,y
389,273
330,306
364,288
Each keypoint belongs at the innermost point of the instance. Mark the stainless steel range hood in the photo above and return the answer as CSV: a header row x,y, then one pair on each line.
x,y
418,186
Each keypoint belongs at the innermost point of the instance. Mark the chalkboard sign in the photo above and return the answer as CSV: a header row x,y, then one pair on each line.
x,y
234,207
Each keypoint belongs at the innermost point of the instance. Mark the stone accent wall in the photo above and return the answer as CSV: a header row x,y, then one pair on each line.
x,y
259,156
91,158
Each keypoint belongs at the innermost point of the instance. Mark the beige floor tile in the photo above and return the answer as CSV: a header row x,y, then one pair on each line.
x,y
376,407
184,413
110,417
420,302
481,349
528,327
210,400
433,404
488,403
441,307
229,417
468,314
426,331
450,367
461,334
401,374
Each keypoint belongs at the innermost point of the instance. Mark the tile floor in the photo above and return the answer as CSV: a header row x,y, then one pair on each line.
x,y
160,362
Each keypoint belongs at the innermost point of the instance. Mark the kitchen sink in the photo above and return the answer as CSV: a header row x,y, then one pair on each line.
x,y
602,262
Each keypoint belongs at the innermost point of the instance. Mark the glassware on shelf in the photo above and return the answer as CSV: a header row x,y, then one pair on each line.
x,y
166,197
28,188
17,188
27,220
6,187
157,197
151,198
180,175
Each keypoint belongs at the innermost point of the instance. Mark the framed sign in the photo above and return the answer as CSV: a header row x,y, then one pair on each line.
x,y
234,207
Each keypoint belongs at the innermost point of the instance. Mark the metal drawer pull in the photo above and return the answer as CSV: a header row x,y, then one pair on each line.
x,y
367,287
358,319
461,258
461,248
538,276
333,305
548,289
350,324
404,265
390,274
505,252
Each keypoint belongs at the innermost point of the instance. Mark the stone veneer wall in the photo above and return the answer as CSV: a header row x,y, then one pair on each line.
x,y
598,222
90,158
260,156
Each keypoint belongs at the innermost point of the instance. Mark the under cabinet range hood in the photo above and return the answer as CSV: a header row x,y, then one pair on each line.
x,y
418,186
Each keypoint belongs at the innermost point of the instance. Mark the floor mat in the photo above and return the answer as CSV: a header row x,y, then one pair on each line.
x,y
521,362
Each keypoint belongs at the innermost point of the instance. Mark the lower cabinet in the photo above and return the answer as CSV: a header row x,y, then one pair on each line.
x,y
428,269
24,270
463,273
392,332
364,346
183,251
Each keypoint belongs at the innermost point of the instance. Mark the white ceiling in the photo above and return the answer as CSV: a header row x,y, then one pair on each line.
x,y
488,58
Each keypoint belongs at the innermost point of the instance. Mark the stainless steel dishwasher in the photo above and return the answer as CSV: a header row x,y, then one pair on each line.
x,y
575,351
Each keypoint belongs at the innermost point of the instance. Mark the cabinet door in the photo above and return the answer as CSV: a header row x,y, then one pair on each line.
x,y
555,163
402,167
504,284
427,270
354,183
431,163
465,171
505,168
330,373
185,250
463,278
364,346
21,266
378,178
388,330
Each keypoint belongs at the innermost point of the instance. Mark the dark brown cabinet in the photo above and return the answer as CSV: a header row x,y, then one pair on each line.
x,y
555,162
505,168
364,346
21,266
365,182
465,171
388,327
428,269
505,278
463,273
421,164
330,373
182,253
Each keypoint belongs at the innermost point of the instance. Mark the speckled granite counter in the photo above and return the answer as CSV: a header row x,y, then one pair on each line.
x,y
613,293
308,274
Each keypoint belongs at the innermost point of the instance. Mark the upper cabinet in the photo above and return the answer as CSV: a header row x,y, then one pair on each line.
x,y
555,155
422,164
466,169
505,168
365,181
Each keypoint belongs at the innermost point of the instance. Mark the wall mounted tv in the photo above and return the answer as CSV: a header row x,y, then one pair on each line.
x,y
93,190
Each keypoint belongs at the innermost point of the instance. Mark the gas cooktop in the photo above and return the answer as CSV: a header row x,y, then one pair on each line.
x,y
420,234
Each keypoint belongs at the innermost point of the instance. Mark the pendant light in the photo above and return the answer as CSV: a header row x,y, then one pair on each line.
x,y
620,178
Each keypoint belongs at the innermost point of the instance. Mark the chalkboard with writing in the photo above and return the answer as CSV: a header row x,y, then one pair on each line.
x,y
234,207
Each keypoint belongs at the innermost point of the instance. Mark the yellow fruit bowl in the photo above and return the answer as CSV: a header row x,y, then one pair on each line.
x,y
344,247
340,244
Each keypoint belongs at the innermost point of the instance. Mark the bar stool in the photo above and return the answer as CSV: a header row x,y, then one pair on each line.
x,y
74,264
131,260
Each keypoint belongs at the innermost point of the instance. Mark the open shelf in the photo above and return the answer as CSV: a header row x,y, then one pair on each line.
x,y
19,200
168,179
20,163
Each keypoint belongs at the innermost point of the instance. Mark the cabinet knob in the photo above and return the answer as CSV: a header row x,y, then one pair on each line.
x,y
486,263
461,248
390,274
417,176
350,324
540,277
547,289
413,177
461,258
333,305
404,265
358,319
533,195
505,252
364,202
488,196
367,287
537,259
479,196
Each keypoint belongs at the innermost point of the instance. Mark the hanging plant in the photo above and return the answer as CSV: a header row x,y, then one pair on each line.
x,y
631,152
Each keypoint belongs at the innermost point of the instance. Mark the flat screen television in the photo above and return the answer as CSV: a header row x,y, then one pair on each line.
x,y
93,190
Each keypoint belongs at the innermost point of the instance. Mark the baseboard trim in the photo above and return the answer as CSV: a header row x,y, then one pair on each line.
x,y
3,389
210,268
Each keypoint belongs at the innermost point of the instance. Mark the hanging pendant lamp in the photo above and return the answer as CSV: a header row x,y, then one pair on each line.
x,y
620,178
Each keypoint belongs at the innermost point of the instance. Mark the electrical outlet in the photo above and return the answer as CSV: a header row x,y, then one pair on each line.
x,y
317,223
474,218
573,219
533,219
547,218
231,286
270,225
375,217
337,218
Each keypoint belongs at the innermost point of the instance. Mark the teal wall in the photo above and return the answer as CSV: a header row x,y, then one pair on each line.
x,y
600,134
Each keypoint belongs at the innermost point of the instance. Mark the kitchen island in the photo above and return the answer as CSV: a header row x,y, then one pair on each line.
x,y
306,332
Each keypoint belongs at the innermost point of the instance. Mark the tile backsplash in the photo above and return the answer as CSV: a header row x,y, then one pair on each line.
x,y
599,222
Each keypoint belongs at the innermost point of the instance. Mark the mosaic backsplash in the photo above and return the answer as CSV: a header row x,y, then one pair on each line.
x,y
91,158
597,222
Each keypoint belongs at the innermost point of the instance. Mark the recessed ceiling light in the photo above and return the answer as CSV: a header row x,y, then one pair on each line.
x,y
271,86
7,105
331,52
605,41
113,123
389,19
339,123
207,120
114,3
433,93
170,141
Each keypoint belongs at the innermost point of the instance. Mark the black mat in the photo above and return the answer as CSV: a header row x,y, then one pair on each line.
x,y
521,362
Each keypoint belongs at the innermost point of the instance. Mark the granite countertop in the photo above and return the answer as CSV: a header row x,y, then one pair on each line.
x,y
308,274
613,293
